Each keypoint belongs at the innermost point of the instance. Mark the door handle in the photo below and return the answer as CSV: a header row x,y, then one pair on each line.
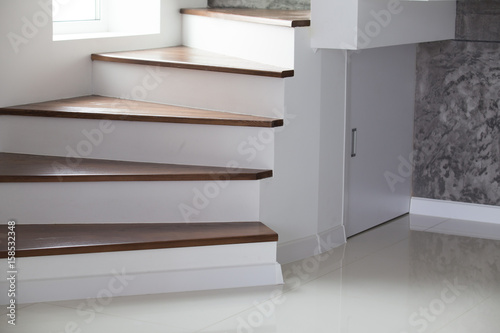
x,y
354,141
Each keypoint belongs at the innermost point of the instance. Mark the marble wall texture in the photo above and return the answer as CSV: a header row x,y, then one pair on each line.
x,y
478,20
457,114
266,4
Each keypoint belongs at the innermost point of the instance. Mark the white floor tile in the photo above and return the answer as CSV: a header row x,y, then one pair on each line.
x,y
468,228
300,272
314,307
4,310
388,288
424,222
190,310
47,318
382,275
376,239
484,318
422,283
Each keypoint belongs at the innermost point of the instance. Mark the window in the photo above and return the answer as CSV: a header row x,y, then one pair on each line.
x,y
71,17
82,19
76,10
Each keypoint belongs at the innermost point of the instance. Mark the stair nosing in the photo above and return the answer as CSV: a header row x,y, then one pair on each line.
x,y
51,167
270,71
238,14
44,247
37,110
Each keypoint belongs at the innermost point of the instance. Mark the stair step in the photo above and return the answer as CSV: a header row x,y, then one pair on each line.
x,y
285,18
190,58
99,107
58,239
15,168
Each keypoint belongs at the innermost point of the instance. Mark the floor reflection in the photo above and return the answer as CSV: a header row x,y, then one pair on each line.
x,y
397,278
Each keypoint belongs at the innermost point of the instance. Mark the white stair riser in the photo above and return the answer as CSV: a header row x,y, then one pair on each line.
x,y
263,43
246,94
130,202
246,147
154,260
112,274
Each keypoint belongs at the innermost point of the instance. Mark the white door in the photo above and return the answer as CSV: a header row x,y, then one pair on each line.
x,y
381,97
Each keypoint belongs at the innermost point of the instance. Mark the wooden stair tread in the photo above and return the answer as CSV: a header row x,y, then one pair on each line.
x,y
190,58
99,107
285,18
36,168
57,239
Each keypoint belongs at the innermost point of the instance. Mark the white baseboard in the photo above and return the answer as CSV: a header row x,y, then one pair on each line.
x,y
455,210
103,288
106,275
309,246
331,238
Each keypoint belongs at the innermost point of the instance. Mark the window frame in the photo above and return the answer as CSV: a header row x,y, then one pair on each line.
x,y
97,11
98,25
119,18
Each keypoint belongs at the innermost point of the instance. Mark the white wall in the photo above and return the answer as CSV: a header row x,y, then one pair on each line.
x,y
362,24
43,70
303,200
289,199
332,142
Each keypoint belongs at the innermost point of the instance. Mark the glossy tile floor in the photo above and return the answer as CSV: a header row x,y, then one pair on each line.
x,y
390,280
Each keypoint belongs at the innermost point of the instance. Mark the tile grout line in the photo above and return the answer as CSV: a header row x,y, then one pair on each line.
x,y
462,314
110,315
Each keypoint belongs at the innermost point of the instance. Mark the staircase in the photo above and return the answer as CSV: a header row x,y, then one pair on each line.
x,y
157,177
